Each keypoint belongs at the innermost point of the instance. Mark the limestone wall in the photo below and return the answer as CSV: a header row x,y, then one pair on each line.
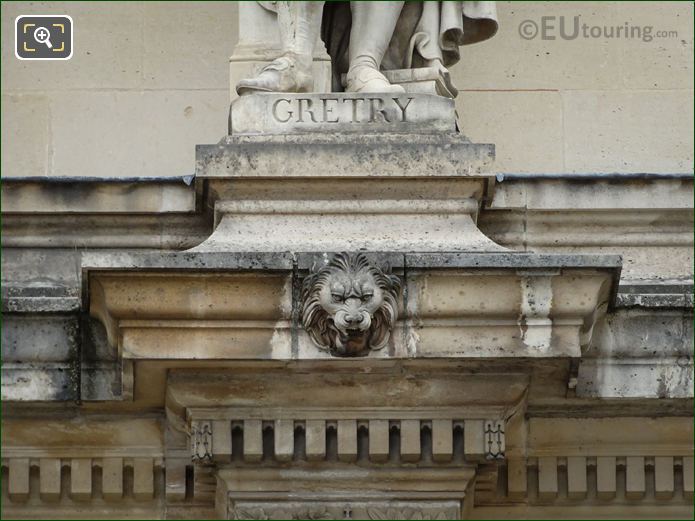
x,y
148,80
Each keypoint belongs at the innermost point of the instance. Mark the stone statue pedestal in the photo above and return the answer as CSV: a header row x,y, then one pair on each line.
x,y
345,172
407,190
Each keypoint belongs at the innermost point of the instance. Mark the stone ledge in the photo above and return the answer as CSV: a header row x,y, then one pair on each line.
x,y
304,493
520,260
248,309
206,261
50,195
344,156
198,394
175,261
613,192
40,299
77,230
655,295
653,377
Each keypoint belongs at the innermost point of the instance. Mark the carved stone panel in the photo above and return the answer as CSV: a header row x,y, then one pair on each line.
x,y
201,441
342,492
494,439
345,510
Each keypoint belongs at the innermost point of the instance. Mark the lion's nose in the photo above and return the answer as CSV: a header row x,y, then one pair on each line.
x,y
354,319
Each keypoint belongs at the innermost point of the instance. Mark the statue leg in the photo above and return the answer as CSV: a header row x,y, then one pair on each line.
x,y
373,24
299,25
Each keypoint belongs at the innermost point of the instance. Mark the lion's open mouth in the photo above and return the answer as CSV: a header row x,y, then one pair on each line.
x,y
352,335
351,342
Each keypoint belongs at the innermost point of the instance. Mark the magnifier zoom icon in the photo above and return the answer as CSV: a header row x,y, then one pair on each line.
x,y
43,35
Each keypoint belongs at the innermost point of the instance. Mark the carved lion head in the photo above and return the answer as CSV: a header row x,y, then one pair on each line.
x,y
349,305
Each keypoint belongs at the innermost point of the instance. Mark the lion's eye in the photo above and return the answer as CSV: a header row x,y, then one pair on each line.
x,y
337,297
366,297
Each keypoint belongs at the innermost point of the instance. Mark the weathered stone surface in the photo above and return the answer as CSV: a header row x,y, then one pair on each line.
x,y
49,476
42,382
655,294
634,334
62,381
453,313
284,113
255,219
312,496
37,338
221,316
326,169
49,298
645,218
640,352
344,156
115,445
52,356
519,260
84,212
176,261
563,192
39,355
343,394
72,232
29,117
662,377
536,148
88,438
547,478
237,315
318,509
605,436
373,225
633,130
65,195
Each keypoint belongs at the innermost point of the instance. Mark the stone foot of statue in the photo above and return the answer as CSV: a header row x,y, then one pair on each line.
x,y
288,73
364,78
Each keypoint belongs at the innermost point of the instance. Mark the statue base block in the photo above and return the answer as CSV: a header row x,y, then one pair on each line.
x,y
337,225
285,113
335,192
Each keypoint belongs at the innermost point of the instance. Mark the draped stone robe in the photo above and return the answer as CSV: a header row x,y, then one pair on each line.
x,y
428,34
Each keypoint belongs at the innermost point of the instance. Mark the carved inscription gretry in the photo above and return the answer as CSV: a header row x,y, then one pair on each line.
x,y
331,109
